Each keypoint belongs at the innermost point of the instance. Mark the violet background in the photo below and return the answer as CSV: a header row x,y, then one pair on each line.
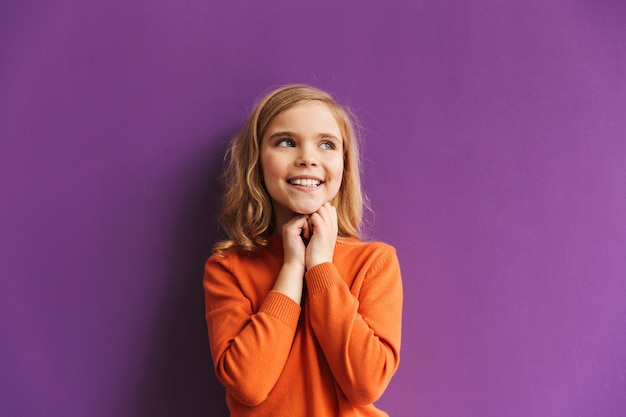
x,y
494,155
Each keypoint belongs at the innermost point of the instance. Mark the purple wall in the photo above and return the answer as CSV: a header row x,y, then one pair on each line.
x,y
495,157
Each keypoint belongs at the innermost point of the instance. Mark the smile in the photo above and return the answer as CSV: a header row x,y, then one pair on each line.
x,y
305,182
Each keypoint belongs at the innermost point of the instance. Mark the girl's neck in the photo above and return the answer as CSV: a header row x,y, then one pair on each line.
x,y
280,219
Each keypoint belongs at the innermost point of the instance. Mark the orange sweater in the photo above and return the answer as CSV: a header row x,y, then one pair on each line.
x,y
334,356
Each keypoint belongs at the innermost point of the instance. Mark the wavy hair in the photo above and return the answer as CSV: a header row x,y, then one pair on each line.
x,y
246,214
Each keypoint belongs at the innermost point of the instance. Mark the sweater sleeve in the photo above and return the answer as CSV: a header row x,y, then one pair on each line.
x,y
359,335
249,348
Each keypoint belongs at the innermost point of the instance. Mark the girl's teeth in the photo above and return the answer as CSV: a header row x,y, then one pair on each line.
x,y
305,182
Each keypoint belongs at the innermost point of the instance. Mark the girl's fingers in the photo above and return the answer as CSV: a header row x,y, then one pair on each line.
x,y
306,229
326,215
324,228
293,245
325,211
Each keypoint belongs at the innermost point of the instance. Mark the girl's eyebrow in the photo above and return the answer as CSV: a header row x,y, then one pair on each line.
x,y
292,134
329,136
280,134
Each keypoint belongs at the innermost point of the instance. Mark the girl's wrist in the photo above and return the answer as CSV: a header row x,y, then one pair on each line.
x,y
290,281
314,262
293,267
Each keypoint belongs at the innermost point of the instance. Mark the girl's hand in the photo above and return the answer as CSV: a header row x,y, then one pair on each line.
x,y
323,232
294,247
290,279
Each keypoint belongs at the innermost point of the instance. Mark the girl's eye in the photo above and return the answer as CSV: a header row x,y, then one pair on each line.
x,y
285,143
327,145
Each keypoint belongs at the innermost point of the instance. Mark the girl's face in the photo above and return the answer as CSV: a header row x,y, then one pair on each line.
x,y
302,160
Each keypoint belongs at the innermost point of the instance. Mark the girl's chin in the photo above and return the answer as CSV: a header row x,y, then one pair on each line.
x,y
307,210
287,212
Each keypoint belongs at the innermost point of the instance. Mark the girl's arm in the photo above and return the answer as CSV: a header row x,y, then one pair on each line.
x,y
249,348
360,337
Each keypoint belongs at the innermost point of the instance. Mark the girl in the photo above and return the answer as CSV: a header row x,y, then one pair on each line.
x,y
303,317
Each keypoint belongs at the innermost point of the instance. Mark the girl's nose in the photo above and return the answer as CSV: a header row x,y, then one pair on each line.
x,y
306,157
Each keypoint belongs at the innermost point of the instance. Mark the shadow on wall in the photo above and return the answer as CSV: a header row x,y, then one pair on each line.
x,y
179,378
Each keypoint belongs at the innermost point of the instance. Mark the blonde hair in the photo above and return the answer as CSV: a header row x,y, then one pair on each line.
x,y
246,214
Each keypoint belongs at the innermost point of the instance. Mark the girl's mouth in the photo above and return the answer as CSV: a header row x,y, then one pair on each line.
x,y
305,182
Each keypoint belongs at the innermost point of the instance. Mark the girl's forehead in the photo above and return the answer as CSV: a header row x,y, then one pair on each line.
x,y
309,115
